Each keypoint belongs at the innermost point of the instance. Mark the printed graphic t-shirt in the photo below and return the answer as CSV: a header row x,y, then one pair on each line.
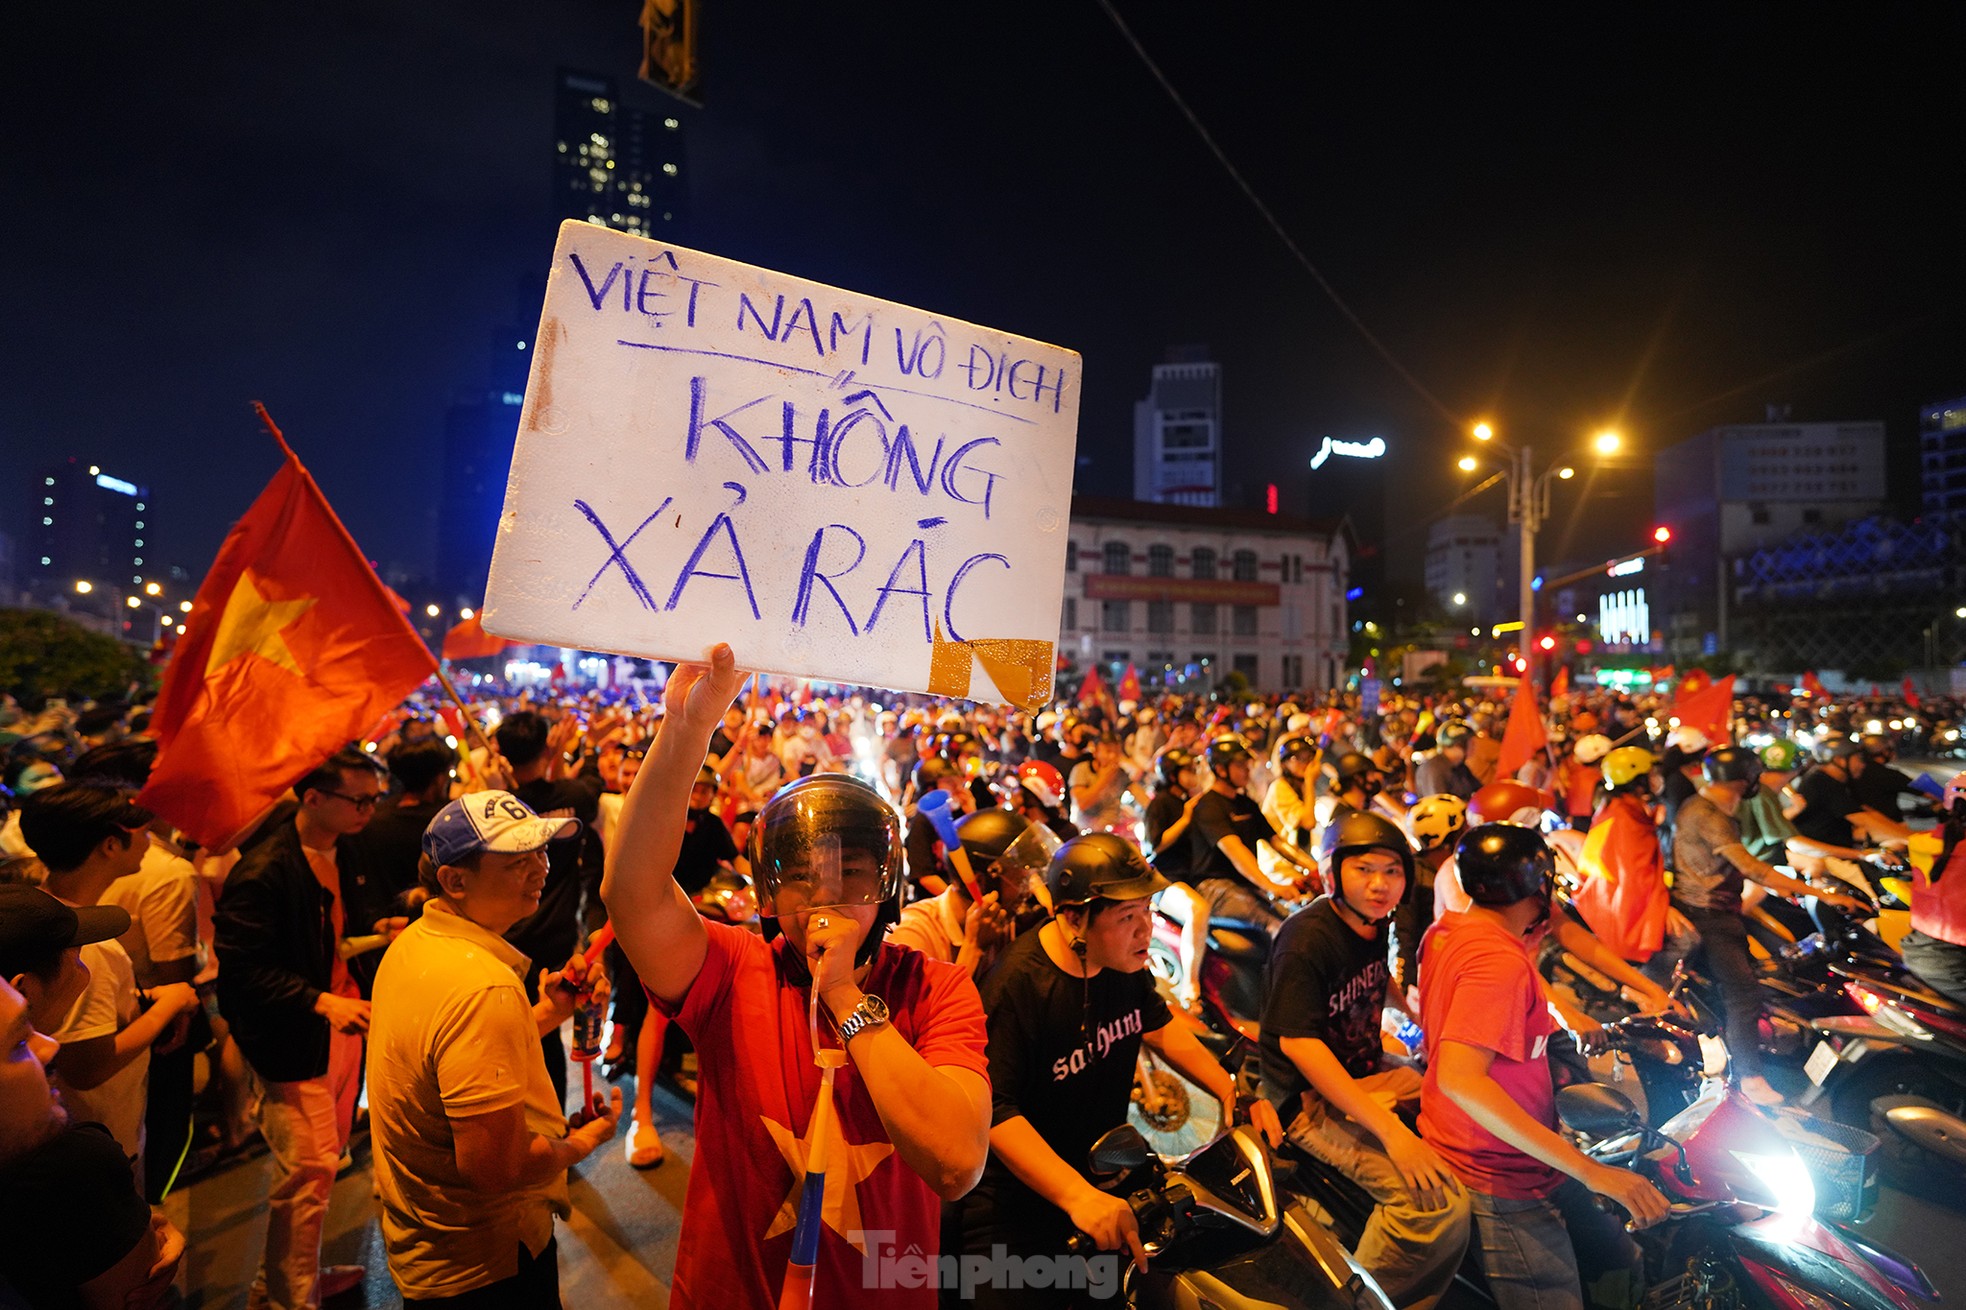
x,y
1324,981
1478,986
746,1013
1062,1052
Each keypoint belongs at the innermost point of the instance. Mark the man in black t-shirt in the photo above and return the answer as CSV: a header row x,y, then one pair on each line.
x,y
1168,818
1068,1007
1831,810
1223,831
1325,987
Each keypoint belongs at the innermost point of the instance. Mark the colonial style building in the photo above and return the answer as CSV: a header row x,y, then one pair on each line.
x,y
1191,594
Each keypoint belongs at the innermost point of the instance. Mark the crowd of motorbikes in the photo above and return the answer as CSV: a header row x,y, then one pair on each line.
x,y
1764,1205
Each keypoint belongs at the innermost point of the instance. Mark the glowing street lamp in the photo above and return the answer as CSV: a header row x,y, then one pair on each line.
x,y
132,601
83,586
1607,443
1467,463
432,611
1460,598
1482,432
466,612
152,589
184,607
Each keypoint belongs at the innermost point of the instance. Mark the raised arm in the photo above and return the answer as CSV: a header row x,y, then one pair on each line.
x,y
652,917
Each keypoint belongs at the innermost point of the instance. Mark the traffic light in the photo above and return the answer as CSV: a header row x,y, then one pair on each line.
x,y
1547,642
1662,534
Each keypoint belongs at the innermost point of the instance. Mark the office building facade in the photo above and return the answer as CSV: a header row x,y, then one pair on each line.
x,y
616,166
86,524
1942,457
1177,432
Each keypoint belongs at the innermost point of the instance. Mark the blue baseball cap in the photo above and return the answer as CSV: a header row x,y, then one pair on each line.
x,y
494,821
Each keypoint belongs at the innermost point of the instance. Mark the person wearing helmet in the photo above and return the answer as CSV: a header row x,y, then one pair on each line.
x,y
1935,948
1488,1105
1576,779
1289,803
1007,854
1222,838
1769,835
934,773
1168,817
1827,807
1882,785
1324,1068
1446,770
1040,797
1100,786
1433,824
1069,1006
1622,894
1679,772
915,1106
1711,866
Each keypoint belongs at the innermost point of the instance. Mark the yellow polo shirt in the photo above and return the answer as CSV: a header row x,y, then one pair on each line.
x,y
451,1034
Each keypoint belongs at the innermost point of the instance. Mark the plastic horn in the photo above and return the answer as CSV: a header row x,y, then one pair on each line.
x,y
350,947
935,808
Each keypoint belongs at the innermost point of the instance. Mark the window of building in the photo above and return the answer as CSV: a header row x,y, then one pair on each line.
x,y
1160,561
1758,515
1245,566
1071,612
1071,556
1246,664
1201,621
1160,617
1119,559
1204,564
1812,516
1117,659
1159,660
1242,620
1293,672
1116,615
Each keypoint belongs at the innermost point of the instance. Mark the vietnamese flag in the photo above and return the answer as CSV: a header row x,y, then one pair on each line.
x,y
1092,688
1129,688
1710,709
469,641
1911,694
292,649
1813,685
1560,685
1525,734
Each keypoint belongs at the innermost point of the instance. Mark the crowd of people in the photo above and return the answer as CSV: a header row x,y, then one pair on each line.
x,y
939,911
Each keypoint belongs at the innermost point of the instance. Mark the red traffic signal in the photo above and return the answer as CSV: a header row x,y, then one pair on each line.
x,y
1547,642
1662,534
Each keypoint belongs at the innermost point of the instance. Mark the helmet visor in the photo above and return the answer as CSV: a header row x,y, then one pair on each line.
x,y
824,846
1024,861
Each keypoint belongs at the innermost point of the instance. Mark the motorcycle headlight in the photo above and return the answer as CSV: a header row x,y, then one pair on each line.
x,y
1786,1178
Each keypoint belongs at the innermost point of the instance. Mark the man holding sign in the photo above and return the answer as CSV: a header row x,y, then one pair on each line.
x,y
912,1100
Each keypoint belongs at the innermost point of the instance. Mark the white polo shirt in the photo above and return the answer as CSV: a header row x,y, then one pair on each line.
x,y
452,1034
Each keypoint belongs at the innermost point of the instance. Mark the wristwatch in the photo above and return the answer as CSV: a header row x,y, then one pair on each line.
x,y
870,1013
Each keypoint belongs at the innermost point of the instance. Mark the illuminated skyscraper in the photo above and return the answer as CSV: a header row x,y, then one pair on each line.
x,y
85,523
614,165
1177,432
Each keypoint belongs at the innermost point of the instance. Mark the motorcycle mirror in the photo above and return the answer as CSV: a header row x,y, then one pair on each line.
x,y
1120,1151
1596,1110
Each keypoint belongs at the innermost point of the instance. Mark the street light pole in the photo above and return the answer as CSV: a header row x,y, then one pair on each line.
x,y
1525,484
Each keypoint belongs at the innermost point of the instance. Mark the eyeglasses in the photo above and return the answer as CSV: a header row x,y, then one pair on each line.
x,y
363,803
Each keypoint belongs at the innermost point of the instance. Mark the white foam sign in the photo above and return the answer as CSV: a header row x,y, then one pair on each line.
x,y
841,487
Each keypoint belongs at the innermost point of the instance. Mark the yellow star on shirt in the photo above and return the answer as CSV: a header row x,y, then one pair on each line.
x,y
252,624
841,1206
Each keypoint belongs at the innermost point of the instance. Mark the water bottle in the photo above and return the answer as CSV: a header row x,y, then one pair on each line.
x,y
1409,1035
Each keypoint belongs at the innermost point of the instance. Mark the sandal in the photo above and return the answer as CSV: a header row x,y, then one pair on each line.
x,y
643,1146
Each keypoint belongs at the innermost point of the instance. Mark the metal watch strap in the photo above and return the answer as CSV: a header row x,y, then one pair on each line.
x,y
870,1013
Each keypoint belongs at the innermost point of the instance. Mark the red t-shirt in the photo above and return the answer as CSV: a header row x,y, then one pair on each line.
x,y
1478,985
755,1092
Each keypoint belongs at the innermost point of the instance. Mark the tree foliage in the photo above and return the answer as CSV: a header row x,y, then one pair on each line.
x,y
45,654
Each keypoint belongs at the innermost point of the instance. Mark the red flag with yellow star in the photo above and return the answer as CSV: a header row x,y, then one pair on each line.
x,y
291,650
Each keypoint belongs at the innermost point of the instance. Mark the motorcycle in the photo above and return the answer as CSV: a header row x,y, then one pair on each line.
x,y
1741,1229
1897,1067
1218,1233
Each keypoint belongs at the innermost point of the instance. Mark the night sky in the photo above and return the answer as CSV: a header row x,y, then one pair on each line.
x,y
1559,219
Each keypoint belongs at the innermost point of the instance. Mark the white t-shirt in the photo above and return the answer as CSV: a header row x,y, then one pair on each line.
x,y
451,1033
108,1006
162,898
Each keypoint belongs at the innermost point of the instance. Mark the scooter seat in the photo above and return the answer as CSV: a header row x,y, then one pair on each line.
x,y
1239,941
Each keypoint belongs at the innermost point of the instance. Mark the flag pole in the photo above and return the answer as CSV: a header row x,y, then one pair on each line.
x,y
471,727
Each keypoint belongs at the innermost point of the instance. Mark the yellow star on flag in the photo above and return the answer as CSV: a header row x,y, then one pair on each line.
x,y
252,624
841,1205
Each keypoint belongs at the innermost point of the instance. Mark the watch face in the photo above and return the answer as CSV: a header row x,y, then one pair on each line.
x,y
876,1009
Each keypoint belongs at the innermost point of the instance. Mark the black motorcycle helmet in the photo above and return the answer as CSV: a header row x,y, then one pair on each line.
x,y
1170,764
1731,764
1348,835
1225,750
930,772
1296,746
1100,865
1453,733
1502,863
1353,769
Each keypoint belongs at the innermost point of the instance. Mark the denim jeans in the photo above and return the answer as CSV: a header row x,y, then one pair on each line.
x,y
1544,1253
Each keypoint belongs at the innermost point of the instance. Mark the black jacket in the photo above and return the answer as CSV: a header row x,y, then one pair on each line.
x,y
274,932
